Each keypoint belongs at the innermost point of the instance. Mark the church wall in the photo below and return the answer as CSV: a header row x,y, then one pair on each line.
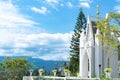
x,y
98,55
114,64
81,63
84,62
91,48
105,59
96,60
92,60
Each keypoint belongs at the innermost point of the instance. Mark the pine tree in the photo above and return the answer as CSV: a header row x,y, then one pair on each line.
x,y
74,47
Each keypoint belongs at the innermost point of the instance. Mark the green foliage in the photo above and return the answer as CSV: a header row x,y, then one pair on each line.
x,y
65,65
78,74
102,77
93,76
31,70
41,70
14,68
55,70
66,70
74,47
110,30
107,70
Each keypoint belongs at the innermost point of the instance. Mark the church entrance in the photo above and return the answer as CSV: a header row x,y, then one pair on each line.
x,y
85,65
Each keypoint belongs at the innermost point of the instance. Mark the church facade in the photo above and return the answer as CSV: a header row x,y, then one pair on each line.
x,y
93,59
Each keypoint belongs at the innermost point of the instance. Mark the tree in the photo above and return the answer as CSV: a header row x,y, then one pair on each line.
x,y
110,30
14,68
74,47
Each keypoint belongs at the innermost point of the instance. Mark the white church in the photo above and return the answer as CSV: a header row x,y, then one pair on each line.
x,y
93,59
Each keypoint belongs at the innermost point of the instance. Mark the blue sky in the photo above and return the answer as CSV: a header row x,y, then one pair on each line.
x,y
43,28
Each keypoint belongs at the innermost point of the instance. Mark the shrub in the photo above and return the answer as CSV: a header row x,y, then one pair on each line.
x,y
66,70
54,70
31,70
107,70
102,77
40,70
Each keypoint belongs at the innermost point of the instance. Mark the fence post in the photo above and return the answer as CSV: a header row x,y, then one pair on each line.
x,y
65,78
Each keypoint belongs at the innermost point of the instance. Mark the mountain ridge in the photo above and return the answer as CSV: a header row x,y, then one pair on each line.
x,y
48,65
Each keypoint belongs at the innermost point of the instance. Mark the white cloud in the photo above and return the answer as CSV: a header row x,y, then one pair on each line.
x,y
89,1
84,4
11,17
20,37
62,57
52,3
69,4
43,45
45,36
117,8
42,10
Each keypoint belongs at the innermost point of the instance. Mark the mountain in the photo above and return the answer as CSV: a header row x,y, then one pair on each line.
x,y
48,65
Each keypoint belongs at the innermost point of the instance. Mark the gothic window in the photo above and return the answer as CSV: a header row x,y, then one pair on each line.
x,y
88,65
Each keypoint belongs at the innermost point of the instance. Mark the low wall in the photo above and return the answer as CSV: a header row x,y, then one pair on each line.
x,y
56,78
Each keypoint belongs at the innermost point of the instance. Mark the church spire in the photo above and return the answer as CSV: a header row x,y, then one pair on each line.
x,y
89,31
98,17
98,12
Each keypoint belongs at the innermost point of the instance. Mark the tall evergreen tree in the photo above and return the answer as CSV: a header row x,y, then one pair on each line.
x,y
74,47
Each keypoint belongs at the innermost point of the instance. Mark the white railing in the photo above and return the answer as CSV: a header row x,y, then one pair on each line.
x,y
55,78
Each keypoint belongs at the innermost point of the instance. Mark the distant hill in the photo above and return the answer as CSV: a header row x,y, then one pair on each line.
x,y
39,63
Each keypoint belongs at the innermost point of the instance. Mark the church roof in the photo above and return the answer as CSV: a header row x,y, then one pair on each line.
x,y
94,20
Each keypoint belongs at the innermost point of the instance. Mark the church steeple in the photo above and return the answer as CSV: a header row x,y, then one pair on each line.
x,y
94,59
82,39
89,32
98,16
98,12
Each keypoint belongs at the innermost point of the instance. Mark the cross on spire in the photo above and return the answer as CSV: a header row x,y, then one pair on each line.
x,y
98,11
